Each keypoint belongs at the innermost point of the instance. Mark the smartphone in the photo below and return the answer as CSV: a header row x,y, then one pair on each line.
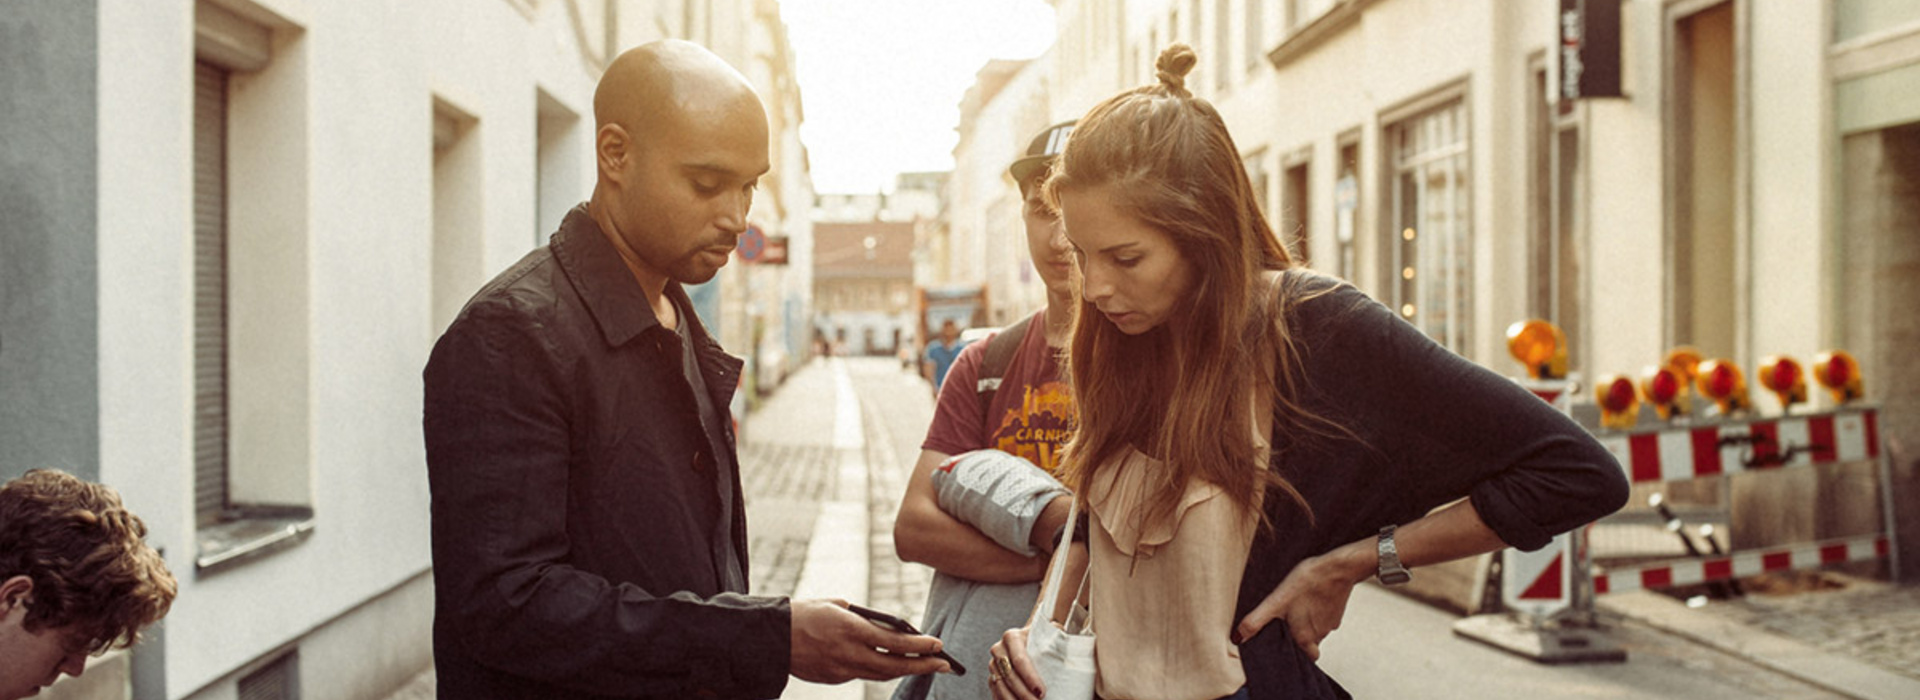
x,y
896,624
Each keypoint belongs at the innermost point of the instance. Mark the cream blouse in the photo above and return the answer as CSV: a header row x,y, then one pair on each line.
x,y
1163,594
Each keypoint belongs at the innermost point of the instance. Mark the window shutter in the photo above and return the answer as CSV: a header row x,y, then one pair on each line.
x,y
278,680
209,291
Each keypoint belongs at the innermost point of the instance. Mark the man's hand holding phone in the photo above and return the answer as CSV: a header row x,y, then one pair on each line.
x,y
834,644
896,624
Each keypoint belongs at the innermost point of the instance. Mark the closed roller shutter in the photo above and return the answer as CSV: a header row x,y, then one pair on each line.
x,y
209,291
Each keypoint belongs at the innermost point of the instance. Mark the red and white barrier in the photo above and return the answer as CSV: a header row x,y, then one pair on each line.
x,y
1538,582
1743,564
1682,454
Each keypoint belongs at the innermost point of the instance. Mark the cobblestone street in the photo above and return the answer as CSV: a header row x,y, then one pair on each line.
x,y
1869,620
787,469
786,466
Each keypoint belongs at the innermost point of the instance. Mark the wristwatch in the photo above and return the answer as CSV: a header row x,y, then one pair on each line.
x,y
1391,572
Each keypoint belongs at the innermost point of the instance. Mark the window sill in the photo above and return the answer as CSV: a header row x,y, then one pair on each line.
x,y
249,532
1336,19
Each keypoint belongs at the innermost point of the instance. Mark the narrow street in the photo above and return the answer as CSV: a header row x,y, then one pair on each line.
x,y
824,461
1388,646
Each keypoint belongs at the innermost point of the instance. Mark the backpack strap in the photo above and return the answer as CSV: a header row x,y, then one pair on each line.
x,y
1000,350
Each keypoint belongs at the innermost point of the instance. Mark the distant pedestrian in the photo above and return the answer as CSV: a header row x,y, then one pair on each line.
x,y
77,578
589,535
1255,439
941,352
982,520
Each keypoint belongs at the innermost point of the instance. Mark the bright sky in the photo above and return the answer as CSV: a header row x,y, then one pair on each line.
x,y
881,80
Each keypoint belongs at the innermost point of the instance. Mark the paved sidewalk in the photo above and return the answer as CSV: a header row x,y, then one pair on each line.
x,y
897,407
1857,638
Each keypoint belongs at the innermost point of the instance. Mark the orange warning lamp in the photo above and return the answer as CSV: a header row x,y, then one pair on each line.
x,y
1619,402
1540,346
1839,373
1782,376
1685,360
1665,388
1722,381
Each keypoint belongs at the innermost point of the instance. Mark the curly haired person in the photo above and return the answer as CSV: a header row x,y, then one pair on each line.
x,y
77,578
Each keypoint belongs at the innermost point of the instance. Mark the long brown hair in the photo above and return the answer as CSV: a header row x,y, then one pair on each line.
x,y
1186,398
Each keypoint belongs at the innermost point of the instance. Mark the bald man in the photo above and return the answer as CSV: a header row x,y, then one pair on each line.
x,y
589,539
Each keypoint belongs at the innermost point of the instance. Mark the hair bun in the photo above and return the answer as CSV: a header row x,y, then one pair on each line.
x,y
1175,62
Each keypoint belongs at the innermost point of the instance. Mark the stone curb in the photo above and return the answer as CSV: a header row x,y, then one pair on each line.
x,y
837,557
1831,671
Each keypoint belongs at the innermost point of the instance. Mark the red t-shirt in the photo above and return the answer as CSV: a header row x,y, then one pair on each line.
x,y
1031,416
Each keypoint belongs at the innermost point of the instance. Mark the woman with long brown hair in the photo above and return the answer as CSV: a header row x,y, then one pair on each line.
x,y
1255,439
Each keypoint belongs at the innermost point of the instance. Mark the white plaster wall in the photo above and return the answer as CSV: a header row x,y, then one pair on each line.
x,y
370,71
997,135
146,220
1401,49
1626,205
469,62
1792,164
1001,133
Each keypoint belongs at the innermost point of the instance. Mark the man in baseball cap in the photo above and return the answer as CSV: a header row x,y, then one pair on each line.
x,y
1045,146
993,516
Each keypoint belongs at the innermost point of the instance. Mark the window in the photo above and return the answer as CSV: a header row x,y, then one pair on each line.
x,y
1256,164
1294,212
209,291
1222,45
1256,28
1702,175
1193,15
1193,32
252,479
1554,251
1133,66
1431,235
1301,13
459,266
561,164
277,680
1346,207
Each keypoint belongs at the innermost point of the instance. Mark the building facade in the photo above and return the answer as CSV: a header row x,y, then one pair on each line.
x,y
233,231
1749,191
863,286
983,241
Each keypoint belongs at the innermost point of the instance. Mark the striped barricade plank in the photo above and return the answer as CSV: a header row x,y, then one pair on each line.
x,y
1742,564
1686,453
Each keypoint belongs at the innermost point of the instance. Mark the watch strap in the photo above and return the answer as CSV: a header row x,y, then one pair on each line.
x,y
1391,572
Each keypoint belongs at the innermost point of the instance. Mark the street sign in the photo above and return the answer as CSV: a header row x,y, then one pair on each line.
x,y
776,252
1588,59
752,244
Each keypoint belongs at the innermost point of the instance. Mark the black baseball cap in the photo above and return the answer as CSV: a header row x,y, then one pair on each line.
x,y
1046,146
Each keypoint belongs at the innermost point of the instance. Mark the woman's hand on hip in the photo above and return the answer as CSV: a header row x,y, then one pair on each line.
x,y
1312,599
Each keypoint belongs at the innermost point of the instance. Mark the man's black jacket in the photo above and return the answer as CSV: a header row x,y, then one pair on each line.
x,y
576,501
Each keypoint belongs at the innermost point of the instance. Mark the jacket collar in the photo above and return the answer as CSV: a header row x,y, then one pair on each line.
x,y
612,296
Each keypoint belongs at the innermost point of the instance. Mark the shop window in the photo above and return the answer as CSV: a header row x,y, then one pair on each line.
x,y
1430,241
